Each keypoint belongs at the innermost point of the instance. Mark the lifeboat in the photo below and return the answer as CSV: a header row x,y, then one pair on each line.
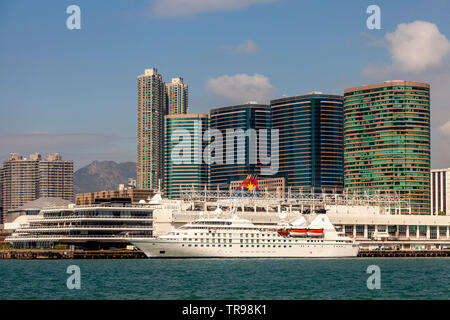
x,y
315,232
298,232
283,232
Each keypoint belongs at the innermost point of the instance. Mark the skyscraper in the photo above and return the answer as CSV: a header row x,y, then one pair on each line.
x,y
245,116
387,140
185,169
151,108
26,180
311,140
177,96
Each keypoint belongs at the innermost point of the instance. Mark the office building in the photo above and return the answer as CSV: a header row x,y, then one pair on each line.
x,y
185,169
311,140
387,141
244,117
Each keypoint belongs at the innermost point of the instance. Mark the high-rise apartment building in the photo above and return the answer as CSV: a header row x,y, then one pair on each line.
x,y
310,140
177,96
245,116
27,179
387,141
55,177
185,169
151,108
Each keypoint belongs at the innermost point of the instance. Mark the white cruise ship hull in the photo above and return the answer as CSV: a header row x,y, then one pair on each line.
x,y
157,248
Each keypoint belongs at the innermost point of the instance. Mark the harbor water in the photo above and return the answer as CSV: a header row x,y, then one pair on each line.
x,y
220,279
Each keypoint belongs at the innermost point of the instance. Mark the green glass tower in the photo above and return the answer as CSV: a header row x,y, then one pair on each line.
x,y
183,169
387,141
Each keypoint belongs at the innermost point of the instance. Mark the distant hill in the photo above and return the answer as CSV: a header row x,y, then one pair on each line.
x,y
103,175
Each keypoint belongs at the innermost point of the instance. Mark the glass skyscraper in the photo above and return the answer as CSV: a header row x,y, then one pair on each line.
x,y
185,169
245,116
387,141
311,140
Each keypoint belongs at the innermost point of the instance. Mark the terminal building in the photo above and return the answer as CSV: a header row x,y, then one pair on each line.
x,y
103,225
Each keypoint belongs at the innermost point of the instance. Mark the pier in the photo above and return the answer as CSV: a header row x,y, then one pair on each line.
x,y
403,253
67,254
137,254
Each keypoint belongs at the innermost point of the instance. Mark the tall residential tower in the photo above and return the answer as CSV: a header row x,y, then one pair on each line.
x,y
151,108
27,179
177,96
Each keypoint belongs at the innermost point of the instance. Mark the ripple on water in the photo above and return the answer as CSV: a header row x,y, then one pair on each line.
x,y
234,279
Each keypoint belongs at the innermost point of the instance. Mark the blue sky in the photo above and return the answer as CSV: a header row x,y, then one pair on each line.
x,y
74,91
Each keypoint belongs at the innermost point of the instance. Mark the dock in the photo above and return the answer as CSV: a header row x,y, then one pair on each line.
x,y
403,253
67,254
136,254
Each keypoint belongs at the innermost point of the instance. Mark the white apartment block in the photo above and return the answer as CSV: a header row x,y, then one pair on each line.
x,y
440,191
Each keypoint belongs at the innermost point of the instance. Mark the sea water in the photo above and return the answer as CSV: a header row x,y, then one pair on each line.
x,y
219,279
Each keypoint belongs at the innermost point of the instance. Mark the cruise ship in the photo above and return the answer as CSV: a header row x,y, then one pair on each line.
x,y
234,237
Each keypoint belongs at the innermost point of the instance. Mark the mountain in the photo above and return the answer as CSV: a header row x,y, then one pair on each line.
x,y
103,175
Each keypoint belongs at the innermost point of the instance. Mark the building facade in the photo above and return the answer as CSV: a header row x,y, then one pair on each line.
x,y
56,177
311,140
387,141
27,179
238,117
185,169
274,186
177,96
135,195
440,192
151,108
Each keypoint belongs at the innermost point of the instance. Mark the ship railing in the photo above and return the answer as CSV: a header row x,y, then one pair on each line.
x,y
74,217
56,237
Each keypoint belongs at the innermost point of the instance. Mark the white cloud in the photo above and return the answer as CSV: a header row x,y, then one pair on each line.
x,y
244,48
241,88
414,47
445,129
175,8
